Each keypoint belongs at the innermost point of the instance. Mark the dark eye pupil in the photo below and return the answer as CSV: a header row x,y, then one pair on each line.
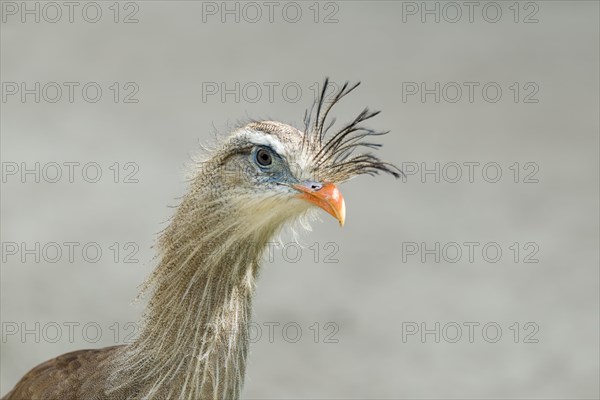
x,y
264,158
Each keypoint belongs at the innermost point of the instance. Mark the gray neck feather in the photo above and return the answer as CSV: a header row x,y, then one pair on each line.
x,y
194,340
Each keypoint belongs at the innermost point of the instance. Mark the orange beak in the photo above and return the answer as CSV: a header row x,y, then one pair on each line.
x,y
327,197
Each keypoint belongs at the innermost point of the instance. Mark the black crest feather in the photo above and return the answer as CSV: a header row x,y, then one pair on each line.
x,y
334,156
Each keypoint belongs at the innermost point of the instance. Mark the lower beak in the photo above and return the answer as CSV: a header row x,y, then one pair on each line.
x,y
327,197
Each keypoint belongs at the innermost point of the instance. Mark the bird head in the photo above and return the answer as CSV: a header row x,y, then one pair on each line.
x,y
271,171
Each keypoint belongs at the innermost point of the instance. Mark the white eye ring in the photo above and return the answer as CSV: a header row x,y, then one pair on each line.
x,y
263,158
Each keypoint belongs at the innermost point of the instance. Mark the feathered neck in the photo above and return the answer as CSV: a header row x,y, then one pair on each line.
x,y
194,340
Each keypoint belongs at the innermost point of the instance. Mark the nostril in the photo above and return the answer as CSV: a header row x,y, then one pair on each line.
x,y
312,185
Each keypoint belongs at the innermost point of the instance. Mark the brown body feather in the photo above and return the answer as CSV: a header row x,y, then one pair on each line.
x,y
71,376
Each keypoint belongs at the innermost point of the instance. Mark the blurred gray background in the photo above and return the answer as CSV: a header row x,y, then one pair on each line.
x,y
378,290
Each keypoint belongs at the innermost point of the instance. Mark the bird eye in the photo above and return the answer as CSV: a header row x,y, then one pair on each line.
x,y
263,158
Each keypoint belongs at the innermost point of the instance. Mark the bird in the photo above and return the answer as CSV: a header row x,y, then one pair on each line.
x,y
194,336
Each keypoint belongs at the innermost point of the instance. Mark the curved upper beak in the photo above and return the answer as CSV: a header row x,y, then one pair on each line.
x,y
326,196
